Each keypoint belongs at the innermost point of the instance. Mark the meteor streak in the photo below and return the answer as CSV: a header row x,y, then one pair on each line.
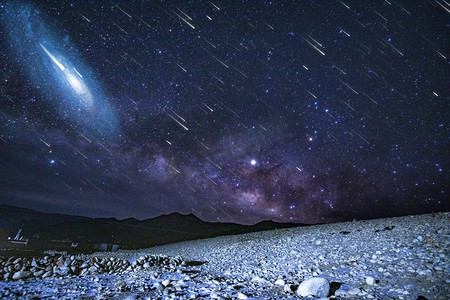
x,y
52,58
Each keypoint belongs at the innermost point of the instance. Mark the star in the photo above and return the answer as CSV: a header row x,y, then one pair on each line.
x,y
148,114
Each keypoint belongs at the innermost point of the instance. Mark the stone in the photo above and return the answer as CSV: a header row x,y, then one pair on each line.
x,y
259,279
370,280
17,260
63,270
93,269
47,274
346,289
157,286
279,282
21,275
165,282
35,264
242,296
6,276
59,262
316,286
84,271
67,262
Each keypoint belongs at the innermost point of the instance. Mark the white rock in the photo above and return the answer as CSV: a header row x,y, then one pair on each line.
x,y
47,274
34,263
316,286
242,296
21,275
93,269
370,280
165,282
258,279
279,282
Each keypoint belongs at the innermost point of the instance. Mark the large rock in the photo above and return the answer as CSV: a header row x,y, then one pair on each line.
x,y
316,286
21,275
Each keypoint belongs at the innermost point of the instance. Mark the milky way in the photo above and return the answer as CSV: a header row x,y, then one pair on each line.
x,y
236,112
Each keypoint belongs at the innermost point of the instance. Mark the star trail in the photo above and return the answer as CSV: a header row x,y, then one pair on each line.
x,y
294,111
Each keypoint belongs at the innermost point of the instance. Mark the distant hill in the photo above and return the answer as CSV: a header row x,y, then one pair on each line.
x,y
43,229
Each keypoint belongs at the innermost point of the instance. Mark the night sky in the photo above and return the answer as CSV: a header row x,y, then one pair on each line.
x,y
294,111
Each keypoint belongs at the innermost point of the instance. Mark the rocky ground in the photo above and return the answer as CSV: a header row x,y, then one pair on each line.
x,y
395,258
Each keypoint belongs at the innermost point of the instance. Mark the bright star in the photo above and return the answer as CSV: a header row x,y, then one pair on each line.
x,y
253,162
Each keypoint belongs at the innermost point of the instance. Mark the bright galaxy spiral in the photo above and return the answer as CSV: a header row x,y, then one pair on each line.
x,y
67,84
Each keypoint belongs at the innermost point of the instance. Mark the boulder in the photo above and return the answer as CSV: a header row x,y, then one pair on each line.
x,y
316,286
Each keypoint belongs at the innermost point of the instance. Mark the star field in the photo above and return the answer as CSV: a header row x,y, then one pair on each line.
x,y
295,111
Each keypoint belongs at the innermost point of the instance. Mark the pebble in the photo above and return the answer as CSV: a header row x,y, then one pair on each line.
x,y
370,280
165,282
253,268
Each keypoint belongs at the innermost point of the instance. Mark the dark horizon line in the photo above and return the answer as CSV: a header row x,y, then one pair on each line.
x,y
349,219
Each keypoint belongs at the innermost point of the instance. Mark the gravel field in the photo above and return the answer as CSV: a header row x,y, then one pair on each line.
x,y
393,258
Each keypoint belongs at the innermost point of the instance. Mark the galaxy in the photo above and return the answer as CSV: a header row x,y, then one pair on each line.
x,y
234,111
52,68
